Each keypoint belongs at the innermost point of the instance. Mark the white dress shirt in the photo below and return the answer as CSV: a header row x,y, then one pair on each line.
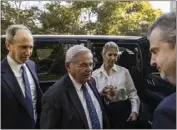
x,y
119,77
83,101
16,68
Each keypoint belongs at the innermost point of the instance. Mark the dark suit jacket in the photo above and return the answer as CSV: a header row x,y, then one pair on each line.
x,y
62,108
15,114
165,114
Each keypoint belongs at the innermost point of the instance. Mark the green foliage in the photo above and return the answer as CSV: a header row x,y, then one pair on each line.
x,y
59,19
125,18
7,14
111,18
13,15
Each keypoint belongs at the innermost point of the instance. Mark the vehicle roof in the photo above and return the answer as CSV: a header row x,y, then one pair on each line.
x,y
86,37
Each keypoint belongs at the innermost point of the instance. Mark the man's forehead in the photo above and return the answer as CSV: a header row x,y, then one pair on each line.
x,y
156,33
23,44
83,57
23,34
153,48
160,45
154,39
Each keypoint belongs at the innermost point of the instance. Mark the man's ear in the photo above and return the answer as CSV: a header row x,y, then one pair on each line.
x,y
67,66
8,45
102,54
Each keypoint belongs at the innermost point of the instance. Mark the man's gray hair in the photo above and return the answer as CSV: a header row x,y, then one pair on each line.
x,y
167,24
12,29
74,51
108,46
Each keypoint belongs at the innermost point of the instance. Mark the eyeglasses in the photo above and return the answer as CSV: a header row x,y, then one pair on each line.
x,y
85,65
112,54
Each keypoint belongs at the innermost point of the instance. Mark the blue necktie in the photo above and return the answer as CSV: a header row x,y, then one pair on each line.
x,y
28,97
92,111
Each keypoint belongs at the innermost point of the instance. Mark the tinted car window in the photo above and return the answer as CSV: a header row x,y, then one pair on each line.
x,y
129,55
50,60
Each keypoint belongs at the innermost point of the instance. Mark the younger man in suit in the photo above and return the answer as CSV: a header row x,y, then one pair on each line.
x,y
73,102
162,37
20,91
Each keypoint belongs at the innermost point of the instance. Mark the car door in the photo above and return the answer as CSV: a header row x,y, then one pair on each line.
x,y
154,88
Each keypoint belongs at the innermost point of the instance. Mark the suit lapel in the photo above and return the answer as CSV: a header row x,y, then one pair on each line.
x,y
9,77
29,65
34,75
76,101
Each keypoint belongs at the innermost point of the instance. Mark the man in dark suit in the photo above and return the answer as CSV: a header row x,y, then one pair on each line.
x,y
73,102
162,37
20,91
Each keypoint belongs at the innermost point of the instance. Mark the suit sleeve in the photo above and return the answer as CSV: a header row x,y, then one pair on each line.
x,y
164,118
50,112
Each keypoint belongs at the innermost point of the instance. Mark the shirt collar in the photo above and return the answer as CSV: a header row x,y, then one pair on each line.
x,y
13,64
114,68
75,83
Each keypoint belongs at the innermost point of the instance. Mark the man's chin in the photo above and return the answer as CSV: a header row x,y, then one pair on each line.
x,y
21,61
85,80
88,78
167,78
163,76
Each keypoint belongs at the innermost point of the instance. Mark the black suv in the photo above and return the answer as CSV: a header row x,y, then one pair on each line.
x,y
49,55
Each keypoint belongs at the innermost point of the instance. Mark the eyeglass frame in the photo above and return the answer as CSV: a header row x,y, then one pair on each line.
x,y
83,66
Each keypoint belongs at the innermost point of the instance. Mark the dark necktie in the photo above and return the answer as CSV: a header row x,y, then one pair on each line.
x,y
28,97
92,111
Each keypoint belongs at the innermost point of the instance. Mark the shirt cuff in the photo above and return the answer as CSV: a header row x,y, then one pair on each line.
x,y
135,110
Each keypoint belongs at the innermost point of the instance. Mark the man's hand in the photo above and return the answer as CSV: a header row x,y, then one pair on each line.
x,y
133,116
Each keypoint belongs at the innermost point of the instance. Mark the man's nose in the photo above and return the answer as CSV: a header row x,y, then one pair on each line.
x,y
28,51
89,68
153,62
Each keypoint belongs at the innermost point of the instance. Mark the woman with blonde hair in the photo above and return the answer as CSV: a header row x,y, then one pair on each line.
x,y
115,84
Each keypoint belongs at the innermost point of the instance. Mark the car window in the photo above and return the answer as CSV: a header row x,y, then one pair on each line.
x,y
128,53
50,60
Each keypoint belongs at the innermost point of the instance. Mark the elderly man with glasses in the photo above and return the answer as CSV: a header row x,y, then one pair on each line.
x,y
73,102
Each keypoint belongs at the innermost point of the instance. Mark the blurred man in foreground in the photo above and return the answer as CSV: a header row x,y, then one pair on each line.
x,y
162,37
